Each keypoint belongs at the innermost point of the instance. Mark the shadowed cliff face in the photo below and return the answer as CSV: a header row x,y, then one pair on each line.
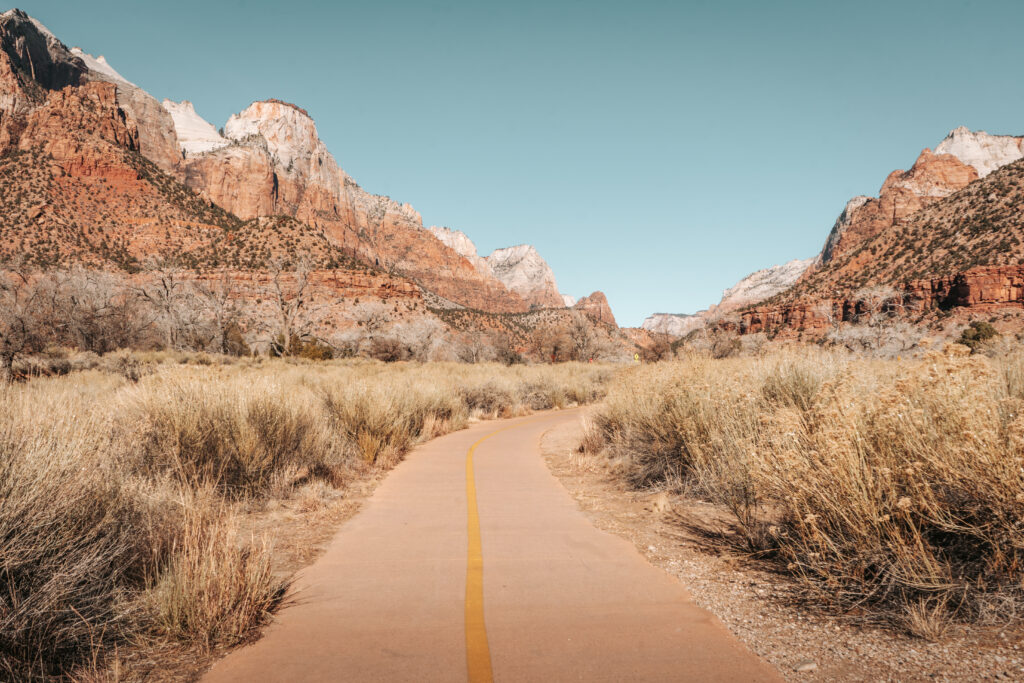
x,y
32,63
35,59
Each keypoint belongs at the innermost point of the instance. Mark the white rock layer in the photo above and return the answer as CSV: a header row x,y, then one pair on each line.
x,y
100,65
984,152
522,270
763,284
677,324
460,243
195,134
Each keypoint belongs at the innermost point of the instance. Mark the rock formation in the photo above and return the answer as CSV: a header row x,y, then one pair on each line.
x,y
932,177
94,173
195,135
524,271
459,242
850,257
752,289
762,285
74,117
275,163
984,152
596,306
32,63
675,324
102,178
960,251
157,138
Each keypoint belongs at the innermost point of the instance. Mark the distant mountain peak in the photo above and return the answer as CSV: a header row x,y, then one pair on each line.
x,y
100,65
984,152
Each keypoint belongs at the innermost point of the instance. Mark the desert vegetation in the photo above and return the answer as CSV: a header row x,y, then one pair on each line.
x,y
889,490
124,488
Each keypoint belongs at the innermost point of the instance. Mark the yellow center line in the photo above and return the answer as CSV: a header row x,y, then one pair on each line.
x,y
478,652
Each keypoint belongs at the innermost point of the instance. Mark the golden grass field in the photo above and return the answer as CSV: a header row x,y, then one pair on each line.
x,y
123,491
891,490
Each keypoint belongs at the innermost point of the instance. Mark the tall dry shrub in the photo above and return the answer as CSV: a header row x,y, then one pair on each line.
x,y
234,434
75,539
890,485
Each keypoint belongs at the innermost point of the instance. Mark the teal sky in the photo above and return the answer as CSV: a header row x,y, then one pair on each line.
x,y
659,151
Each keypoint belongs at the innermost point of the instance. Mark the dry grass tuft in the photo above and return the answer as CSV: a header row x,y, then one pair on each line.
x,y
214,591
929,621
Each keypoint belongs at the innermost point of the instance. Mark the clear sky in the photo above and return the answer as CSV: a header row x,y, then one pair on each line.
x,y
658,151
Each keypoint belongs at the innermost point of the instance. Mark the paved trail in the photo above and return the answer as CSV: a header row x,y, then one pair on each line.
x,y
418,587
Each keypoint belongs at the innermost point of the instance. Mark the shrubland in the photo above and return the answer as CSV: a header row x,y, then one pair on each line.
x,y
889,490
124,487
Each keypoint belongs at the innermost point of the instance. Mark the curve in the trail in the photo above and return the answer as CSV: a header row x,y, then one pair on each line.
x,y
399,594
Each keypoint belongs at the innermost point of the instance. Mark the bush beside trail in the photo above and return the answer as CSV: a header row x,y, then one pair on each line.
x,y
889,489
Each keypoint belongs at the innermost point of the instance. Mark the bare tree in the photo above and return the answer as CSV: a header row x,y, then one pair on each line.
x,y
581,337
96,312
474,347
296,315
19,323
878,305
219,302
832,313
167,293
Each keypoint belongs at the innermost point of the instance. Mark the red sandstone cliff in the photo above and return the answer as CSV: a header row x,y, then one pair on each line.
x,y
273,162
596,306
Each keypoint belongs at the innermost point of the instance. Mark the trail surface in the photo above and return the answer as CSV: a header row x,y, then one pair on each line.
x,y
405,593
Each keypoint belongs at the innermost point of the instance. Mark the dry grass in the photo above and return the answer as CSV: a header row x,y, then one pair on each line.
x,y
890,489
121,487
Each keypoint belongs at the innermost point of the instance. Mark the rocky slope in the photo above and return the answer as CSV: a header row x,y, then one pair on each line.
x,y
521,268
460,243
752,289
762,284
932,177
